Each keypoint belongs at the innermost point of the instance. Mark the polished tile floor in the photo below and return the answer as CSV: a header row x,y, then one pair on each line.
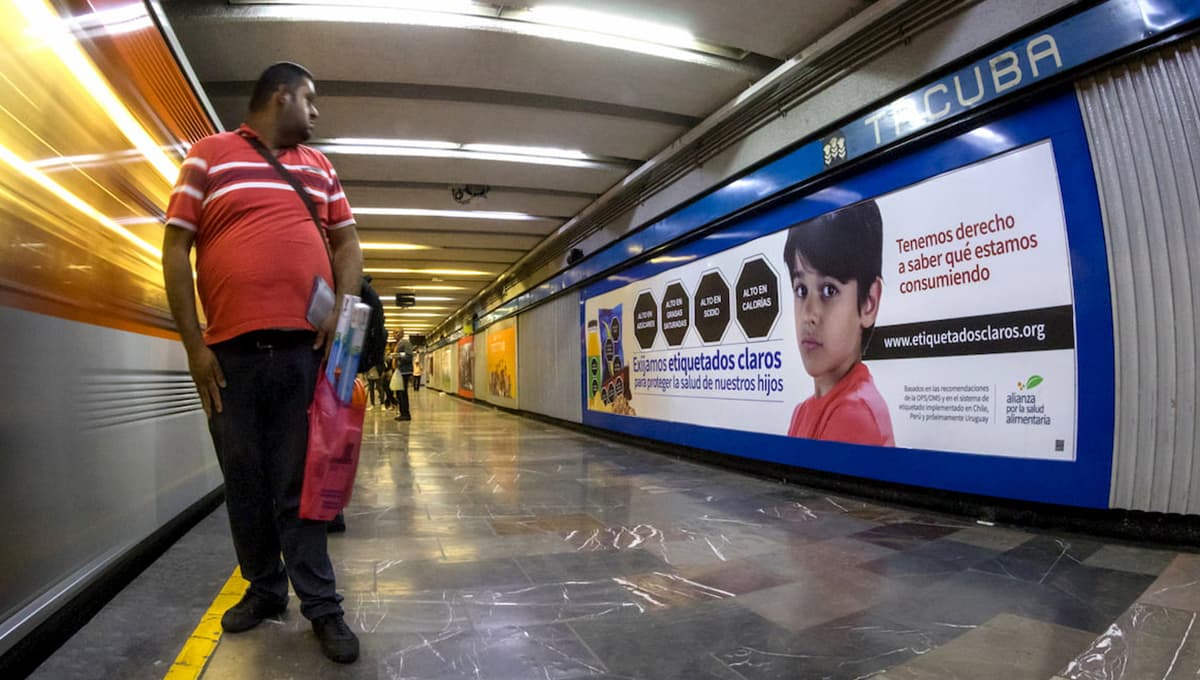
x,y
485,545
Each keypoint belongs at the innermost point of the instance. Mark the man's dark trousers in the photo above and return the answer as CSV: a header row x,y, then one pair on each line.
x,y
260,437
373,388
402,394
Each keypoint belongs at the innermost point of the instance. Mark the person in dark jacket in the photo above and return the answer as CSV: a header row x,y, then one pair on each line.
x,y
402,354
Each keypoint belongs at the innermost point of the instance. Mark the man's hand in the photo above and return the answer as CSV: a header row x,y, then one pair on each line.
x,y
326,330
206,373
347,278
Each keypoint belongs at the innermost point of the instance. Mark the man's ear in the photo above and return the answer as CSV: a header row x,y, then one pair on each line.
x,y
869,309
283,95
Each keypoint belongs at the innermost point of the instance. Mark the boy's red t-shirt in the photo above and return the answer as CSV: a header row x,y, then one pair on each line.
x,y
853,411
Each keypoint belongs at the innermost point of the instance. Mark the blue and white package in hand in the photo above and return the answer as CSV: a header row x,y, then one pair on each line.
x,y
359,317
342,330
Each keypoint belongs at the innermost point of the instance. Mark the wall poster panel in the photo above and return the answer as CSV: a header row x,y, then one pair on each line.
x,y
928,305
466,367
502,362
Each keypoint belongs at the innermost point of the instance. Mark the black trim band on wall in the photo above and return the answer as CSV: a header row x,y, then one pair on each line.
x,y
1030,330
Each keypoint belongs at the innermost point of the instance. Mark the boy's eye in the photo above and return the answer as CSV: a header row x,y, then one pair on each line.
x,y
828,290
801,291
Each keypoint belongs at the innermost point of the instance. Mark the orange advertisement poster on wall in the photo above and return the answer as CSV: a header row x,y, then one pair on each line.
x,y
502,360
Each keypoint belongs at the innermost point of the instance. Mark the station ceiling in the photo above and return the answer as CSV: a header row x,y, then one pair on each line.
x,y
468,133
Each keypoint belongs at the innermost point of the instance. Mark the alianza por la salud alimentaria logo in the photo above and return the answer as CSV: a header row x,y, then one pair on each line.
x,y
1022,407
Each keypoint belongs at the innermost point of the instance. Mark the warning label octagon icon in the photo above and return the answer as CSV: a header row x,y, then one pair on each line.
x,y
757,297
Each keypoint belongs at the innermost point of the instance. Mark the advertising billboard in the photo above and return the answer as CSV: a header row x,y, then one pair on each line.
x,y
466,367
447,357
937,316
502,360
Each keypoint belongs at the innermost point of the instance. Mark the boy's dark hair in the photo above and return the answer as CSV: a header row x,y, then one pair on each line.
x,y
284,73
846,244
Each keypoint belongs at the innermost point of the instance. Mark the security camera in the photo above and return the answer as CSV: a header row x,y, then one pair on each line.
x,y
465,193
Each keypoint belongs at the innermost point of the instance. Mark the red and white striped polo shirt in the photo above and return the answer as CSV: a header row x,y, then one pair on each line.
x,y
257,249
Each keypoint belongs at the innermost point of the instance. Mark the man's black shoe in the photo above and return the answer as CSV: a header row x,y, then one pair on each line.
x,y
403,416
338,642
249,613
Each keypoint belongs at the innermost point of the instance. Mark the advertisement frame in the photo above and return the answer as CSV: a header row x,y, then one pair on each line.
x,y
1083,482
465,344
509,328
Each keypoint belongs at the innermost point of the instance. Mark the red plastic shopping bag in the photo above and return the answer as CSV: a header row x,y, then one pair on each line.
x,y
334,441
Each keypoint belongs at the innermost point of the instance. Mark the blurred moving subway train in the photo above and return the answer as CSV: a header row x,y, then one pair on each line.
x,y
102,441
1035,163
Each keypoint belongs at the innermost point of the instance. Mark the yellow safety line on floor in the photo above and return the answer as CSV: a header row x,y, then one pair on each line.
x,y
203,641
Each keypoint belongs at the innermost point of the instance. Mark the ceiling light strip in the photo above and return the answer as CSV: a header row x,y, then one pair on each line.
x,y
434,272
393,246
424,315
555,23
534,151
463,154
465,214
402,143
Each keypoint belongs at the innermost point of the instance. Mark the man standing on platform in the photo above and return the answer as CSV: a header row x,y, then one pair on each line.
x,y
258,260
404,368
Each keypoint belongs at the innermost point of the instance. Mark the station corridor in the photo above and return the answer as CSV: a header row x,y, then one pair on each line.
x,y
482,544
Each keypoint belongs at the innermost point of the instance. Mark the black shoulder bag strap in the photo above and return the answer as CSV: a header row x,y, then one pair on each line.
x,y
295,183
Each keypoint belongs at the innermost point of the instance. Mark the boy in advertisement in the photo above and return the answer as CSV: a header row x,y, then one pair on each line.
x,y
835,264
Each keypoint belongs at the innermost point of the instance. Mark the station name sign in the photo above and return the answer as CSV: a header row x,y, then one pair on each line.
x,y
1073,42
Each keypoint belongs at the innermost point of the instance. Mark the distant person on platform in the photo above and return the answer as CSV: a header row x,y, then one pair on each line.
x,y
373,386
255,366
835,265
418,361
385,378
402,352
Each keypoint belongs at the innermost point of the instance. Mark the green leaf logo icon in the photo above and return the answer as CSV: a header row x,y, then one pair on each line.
x,y
1034,381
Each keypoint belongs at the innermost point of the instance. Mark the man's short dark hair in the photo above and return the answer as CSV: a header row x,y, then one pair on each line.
x,y
284,73
845,244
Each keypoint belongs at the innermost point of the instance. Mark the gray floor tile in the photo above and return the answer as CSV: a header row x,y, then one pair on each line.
x,y
1037,559
856,646
904,535
1147,641
678,642
930,562
1178,586
995,538
589,565
1004,648
816,598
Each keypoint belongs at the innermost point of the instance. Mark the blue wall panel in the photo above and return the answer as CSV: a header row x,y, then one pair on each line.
x,y
1083,482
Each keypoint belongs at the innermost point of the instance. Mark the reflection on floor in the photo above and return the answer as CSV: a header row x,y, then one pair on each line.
x,y
486,545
